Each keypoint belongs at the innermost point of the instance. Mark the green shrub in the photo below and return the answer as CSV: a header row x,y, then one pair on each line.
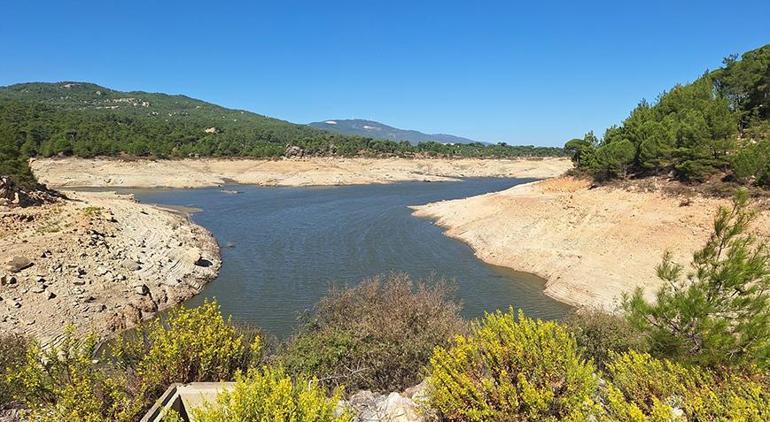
x,y
512,370
753,162
598,334
377,335
268,394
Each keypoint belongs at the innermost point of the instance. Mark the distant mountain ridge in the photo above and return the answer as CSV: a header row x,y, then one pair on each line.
x,y
377,130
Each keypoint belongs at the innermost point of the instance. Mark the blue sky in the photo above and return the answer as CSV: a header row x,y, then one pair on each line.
x,y
520,72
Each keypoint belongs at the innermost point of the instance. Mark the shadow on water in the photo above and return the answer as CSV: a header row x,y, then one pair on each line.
x,y
282,247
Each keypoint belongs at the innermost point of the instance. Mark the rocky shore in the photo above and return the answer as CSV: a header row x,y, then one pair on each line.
x,y
590,244
98,262
75,172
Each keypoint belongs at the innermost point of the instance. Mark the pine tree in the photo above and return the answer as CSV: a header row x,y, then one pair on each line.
x,y
719,314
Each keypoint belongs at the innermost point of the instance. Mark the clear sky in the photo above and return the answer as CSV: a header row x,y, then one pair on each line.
x,y
535,72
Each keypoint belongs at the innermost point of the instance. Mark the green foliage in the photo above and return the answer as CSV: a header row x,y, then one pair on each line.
x,y
746,84
753,163
68,383
190,345
599,335
64,383
13,353
268,394
613,159
719,314
13,160
377,335
582,151
691,129
512,370
640,387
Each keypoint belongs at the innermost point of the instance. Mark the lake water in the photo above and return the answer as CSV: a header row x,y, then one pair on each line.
x,y
282,247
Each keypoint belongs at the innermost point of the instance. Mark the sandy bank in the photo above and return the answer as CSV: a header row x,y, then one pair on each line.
x,y
73,172
590,245
100,262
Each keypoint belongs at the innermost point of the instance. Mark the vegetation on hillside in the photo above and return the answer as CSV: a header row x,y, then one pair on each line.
x,y
87,120
699,353
718,124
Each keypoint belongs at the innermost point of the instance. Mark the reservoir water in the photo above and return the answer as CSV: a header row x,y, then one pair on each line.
x,y
283,247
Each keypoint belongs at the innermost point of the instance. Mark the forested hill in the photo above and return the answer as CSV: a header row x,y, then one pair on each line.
x,y
377,130
715,127
87,120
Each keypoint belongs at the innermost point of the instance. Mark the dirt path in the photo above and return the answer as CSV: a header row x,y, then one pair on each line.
x,y
100,262
590,245
73,172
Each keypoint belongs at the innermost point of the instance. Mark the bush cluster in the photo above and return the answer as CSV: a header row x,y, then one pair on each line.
x,y
375,336
698,353
71,381
716,124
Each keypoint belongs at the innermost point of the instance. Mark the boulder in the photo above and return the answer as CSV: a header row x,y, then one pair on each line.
x,y
371,407
131,265
294,151
13,195
141,289
15,264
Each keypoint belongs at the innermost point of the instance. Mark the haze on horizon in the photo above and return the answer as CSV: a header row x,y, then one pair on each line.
x,y
492,71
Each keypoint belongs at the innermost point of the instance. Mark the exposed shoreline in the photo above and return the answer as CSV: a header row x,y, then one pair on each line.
x,y
100,262
192,173
590,245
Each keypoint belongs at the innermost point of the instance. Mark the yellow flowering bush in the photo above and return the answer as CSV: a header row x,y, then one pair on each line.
x,y
65,383
71,382
189,345
268,394
641,387
509,369
13,350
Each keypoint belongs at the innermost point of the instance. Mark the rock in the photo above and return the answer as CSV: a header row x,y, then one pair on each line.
x,y
50,295
39,289
379,407
16,264
294,151
131,265
141,289
418,393
400,408
8,280
78,282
